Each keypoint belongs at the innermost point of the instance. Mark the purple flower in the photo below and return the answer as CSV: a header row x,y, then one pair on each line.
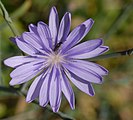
x,y
54,57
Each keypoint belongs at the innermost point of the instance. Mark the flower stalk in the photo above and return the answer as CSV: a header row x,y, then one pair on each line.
x,y
8,20
15,91
128,52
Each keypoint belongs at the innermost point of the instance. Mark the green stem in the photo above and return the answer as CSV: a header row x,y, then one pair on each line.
x,y
113,55
18,92
9,90
7,18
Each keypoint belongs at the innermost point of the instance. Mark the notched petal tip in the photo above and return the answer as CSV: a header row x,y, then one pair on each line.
x,y
43,104
92,94
54,9
28,100
24,35
55,109
73,107
100,41
12,83
106,48
68,13
106,72
31,25
91,20
101,81
67,17
72,104
7,62
13,39
88,23
41,23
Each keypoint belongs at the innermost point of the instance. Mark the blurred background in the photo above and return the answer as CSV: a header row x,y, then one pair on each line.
x,y
113,22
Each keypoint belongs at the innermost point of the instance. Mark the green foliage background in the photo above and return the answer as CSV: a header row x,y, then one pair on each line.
x,y
113,22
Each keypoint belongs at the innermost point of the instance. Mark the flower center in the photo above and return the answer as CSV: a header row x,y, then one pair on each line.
x,y
55,59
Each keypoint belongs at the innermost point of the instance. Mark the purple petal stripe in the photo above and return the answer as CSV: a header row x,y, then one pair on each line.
x,y
22,79
19,60
13,39
54,24
73,38
32,39
67,90
98,51
84,86
24,69
25,72
85,47
87,75
88,24
91,66
32,28
64,27
26,47
55,90
44,92
34,89
45,35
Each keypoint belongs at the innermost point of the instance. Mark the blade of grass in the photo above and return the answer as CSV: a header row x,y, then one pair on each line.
x,y
8,20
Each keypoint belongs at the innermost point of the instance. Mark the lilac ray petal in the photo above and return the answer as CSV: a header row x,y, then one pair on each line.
x,y
98,51
30,49
64,27
34,89
68,91
44,91
53,24
83,73
45,35
55,90
56,108
85,47
73,38
88,24
24,78
19,60
83,66
13,39
32,28
91,66
83,85
31,39
26,68
26,47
